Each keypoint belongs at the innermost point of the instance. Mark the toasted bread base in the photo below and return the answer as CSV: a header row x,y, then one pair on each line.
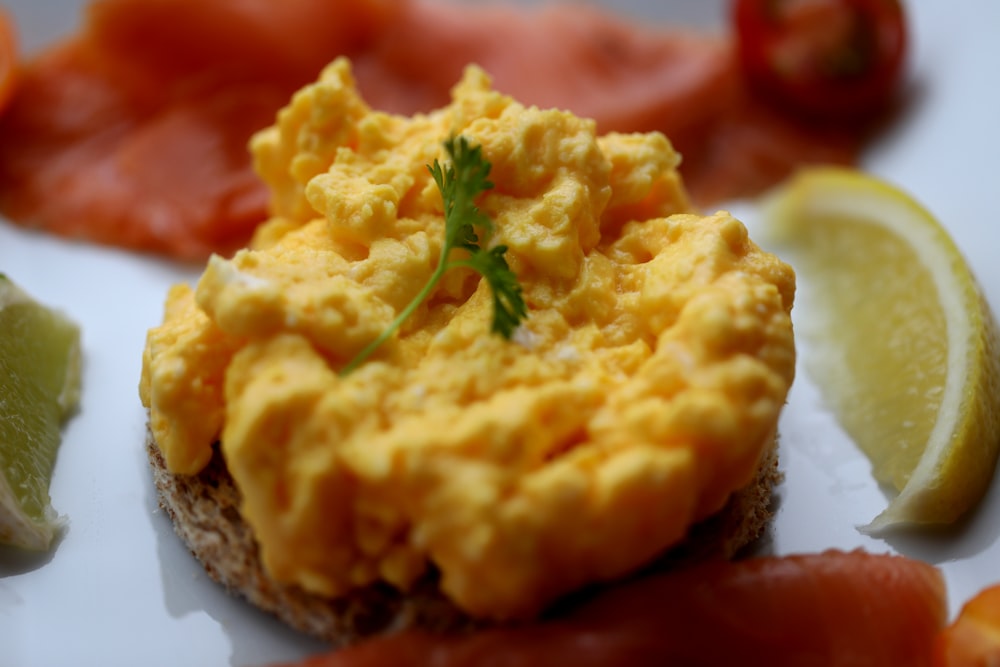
x,y
204,509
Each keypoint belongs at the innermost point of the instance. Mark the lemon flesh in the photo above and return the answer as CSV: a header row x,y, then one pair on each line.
x,y
902,343
39,389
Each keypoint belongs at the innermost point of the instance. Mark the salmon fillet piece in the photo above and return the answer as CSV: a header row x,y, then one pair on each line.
x,y
134,132
829,609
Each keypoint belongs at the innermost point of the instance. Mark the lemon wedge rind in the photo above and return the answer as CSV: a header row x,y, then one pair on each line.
x,y
960,452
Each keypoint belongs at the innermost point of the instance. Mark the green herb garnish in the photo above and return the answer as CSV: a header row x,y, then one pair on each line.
x,y
460,184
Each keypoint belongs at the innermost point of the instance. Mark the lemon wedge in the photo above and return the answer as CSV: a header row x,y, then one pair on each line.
x,y
39,389
899,338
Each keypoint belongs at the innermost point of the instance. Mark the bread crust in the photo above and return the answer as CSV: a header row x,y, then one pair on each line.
x,y
204,510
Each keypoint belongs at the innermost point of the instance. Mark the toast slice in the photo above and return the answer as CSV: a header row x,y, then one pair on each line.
x,y
204,509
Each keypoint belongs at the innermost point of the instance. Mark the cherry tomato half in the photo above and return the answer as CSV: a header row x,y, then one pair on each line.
x,y
826,59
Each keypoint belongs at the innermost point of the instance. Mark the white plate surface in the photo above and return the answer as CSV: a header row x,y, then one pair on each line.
x,y
121,590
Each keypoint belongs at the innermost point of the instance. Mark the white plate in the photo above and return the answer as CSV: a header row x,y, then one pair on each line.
x,y
121,590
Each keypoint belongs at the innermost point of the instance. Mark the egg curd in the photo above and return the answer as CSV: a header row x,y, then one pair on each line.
x,y
639,393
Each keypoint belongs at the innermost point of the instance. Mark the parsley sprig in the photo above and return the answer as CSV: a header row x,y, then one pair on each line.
x,y
460,183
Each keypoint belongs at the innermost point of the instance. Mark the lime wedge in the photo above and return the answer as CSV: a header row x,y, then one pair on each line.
x,y
39,389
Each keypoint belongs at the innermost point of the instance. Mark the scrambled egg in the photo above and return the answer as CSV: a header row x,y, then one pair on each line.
x,y
636,397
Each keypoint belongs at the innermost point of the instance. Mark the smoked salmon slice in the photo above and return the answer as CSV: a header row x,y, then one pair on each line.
x,y
134,132
830,609
8,58
973,639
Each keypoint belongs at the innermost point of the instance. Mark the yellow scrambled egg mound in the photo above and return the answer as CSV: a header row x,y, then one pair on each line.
x,y
639,393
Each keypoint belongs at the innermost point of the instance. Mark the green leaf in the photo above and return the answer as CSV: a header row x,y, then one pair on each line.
x,y
508,304
461,183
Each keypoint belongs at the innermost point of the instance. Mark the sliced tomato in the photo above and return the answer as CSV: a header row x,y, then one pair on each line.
x,y
825,59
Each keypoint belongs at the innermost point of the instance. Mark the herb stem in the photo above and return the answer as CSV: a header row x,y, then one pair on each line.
x,y
410,308
460,183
